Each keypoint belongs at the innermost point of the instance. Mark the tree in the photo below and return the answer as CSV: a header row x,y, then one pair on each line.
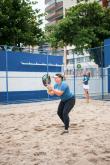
x,y
85,26
19,23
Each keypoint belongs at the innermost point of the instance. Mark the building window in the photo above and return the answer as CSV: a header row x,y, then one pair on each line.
x,y
50,3
70,51
59,0
87,59
80,59
70,61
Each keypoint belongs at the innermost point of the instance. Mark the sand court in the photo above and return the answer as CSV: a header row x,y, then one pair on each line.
x,y
30,134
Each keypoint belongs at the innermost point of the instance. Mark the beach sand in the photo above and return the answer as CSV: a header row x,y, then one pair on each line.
x,y
30,134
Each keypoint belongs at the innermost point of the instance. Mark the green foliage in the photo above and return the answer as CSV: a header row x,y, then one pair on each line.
x,y
85,26
19,23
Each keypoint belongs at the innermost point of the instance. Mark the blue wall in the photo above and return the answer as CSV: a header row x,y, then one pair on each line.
x,y
107,59
22,96
2,60
106,52
108,80
18,62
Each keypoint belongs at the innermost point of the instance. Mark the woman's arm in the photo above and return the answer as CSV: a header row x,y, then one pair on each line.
x,y
53,91
50,92
57,92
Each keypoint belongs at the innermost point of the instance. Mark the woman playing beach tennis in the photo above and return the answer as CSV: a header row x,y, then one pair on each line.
x,y
67,102
86,78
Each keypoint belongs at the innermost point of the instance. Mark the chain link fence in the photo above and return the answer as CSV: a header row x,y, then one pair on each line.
x,y
20,77
97,62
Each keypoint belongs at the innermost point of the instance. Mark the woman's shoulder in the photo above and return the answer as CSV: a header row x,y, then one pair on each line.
x,y
64,83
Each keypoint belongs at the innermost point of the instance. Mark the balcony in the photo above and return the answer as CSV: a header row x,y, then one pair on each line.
x,y
54,16
51,7
59,5
58,14
50,16
46,1
54,6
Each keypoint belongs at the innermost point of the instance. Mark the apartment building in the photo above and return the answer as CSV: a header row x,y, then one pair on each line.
x,y
54,11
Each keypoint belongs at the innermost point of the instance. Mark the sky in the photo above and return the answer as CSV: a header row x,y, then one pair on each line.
x,y
41,5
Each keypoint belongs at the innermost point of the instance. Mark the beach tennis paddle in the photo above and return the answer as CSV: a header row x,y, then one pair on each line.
x,y
46,80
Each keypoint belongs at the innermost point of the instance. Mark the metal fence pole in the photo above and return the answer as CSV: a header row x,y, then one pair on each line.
x,y
102,75
47,69
7,94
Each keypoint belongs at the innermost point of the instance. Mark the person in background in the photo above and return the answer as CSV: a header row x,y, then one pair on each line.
x,y
67,102
86,78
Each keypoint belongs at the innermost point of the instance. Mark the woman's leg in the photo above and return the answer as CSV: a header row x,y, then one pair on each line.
x,y
86,95
67,108
60,110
